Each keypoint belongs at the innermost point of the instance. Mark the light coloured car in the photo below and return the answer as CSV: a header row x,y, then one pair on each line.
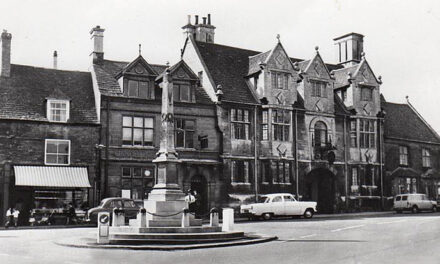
x,y
414,202
278,204
129,207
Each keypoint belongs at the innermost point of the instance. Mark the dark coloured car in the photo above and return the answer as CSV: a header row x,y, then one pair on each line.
x,y
108,204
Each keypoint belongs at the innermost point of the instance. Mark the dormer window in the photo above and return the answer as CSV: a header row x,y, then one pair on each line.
x,y
318,89
139,89
366,94
182,92
280,80
58,110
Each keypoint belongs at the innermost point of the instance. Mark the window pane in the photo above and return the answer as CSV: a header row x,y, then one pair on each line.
x,y
233,114
239,115
148,122
176,95
63,159
137,172
126,172
189,139
133,88
126,135
138,122
51,147
127,121
51,158
189,124
63,147
137,136
184,93
180,138
148,137
144,91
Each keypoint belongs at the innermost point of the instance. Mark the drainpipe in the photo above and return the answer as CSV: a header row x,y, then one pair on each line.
x,y
345,162
296,155
107,143
255,155
381,160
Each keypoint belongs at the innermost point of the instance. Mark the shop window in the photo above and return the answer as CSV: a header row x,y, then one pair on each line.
x,y
240,123
281,124
403,155
184,133
366,94
280,80
426,158
58,110
241,171
264,125
281,171
137,182
353,134
139,89
318,89
182,92
367,133
137,131
57,152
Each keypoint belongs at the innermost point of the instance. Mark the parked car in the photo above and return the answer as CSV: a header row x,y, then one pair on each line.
x,y
414,202
278,204
128,205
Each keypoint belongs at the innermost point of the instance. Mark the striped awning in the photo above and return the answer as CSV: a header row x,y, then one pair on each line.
x,y
46,176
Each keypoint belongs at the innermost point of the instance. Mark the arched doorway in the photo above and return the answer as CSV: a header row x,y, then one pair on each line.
x,y
320,187
199,184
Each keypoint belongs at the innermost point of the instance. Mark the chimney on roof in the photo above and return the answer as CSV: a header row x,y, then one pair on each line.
x,y
55,59
97,36
5,69
201,32
349,49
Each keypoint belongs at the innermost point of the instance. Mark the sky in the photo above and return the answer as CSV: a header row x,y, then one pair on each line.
x,y
402,38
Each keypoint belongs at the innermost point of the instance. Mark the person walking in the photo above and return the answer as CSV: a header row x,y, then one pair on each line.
x,y
15,215
190,199
9,217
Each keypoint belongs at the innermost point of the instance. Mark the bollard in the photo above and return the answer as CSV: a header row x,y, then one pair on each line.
x,y
103,228
142,218
213,217
185,218
118,217
228,219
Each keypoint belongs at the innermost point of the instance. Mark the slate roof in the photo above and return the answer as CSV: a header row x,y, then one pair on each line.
x,y
23,95
341,75
229,66
340,107
401,121
108,85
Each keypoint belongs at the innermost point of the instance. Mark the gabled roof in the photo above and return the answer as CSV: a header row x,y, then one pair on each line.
x,y
342,75
24,94
255,61
175,67
108,85
401,121
138,60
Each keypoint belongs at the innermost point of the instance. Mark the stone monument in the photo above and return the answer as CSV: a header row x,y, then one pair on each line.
x,y
166,198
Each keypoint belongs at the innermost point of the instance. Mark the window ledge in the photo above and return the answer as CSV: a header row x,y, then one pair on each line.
x,y
185,149
137,147
240,183
282,183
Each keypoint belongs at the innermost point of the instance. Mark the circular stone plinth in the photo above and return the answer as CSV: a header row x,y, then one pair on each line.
x,y
91,243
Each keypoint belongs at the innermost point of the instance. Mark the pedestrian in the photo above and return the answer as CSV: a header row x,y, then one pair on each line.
x,y
71,214
9,217
15,214
190,199
197,203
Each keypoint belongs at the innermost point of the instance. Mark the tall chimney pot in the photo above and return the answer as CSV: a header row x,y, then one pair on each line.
x,y
197,19
204,20
55,60
5,67
209,19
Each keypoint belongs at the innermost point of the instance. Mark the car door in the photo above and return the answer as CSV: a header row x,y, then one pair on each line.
x,y
426,202
130,208
291,206
277,205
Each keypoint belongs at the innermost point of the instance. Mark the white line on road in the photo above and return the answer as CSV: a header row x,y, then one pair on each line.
x,y
312,235
391,222
345,228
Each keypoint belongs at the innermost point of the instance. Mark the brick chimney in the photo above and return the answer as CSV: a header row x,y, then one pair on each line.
x,y
203,32
97,35
55,59
5,70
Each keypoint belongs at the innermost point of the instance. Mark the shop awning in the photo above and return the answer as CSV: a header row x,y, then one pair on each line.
x,y
46,176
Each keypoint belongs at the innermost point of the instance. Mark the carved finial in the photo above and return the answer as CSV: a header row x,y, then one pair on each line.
x,y
379,78
407,98
167,64
140,49
278,37
295,66
317,49
219,93
363,55
349,75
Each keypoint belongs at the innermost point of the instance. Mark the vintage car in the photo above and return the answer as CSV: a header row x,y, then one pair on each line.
x,y
278,204
414,202
129,207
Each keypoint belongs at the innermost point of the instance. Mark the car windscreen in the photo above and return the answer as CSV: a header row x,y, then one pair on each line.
x,y
129,204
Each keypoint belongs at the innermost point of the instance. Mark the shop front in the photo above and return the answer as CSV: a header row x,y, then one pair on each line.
x,y
50,195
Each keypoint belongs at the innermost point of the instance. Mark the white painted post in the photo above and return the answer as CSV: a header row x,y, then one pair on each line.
x,y
142,218
103,228
118,217
228,219
213,218
185,218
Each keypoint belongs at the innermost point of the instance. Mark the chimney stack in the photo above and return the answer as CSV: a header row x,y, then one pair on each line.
x,y
204,20
5,69
55,60
349,49
97,35
197,19
209,19
203,32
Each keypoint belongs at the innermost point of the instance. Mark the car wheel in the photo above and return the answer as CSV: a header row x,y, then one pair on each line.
x,y
415,209
434,208
267,216
308,213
